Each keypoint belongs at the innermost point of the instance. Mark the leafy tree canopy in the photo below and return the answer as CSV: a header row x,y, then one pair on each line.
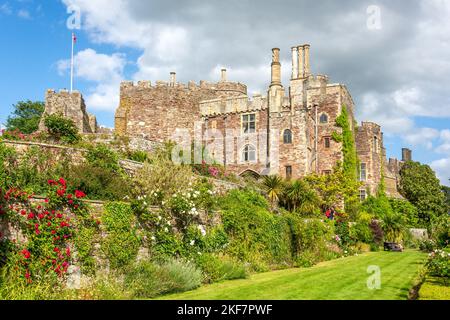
x,y
422,188
26,116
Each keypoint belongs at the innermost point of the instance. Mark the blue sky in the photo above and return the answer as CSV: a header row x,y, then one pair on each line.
x,y
397,73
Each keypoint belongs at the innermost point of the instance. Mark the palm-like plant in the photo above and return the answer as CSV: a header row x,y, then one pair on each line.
x,y
274,187
300,197
393,226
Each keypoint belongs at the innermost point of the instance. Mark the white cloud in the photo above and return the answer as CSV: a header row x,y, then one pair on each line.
x,y
422,136
5,8
442,168
393,113
444,148
105,71
24,14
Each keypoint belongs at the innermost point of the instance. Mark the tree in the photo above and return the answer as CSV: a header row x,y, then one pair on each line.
x,y
273,186
446,191
26,116
336,188
409,211
300,197
419,184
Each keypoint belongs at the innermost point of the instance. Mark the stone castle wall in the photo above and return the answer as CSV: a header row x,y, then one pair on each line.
x,y
155,112
370,149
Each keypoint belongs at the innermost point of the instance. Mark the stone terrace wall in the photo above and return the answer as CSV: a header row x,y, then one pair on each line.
x,y
77,156
74,155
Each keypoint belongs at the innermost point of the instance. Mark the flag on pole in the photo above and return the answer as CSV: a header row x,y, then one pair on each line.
x,y
74,40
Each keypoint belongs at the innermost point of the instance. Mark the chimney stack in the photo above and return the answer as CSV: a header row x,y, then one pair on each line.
x,y
173,79
294,63
223,77
307,65
301,61
301,67
276,68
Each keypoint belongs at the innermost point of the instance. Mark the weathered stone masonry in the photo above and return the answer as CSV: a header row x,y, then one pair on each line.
x,y
291,130
70,105
286,131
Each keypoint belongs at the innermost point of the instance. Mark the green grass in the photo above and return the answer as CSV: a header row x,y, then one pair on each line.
x,y
342,279
434,289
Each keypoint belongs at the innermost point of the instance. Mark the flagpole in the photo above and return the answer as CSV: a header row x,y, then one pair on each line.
x,y
71,65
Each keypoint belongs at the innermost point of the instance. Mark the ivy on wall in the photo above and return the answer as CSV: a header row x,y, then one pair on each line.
x,y
122,242
351,162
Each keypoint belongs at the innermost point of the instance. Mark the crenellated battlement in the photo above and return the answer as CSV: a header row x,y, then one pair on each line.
x,y
317,80
368,125
233,88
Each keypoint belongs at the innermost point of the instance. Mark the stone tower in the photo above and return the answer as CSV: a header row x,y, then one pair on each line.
x,y
70,105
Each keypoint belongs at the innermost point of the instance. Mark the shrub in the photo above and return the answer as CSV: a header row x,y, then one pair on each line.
x,y
361,231
122,243
148,280
310,239
255,234
103,157
43,253
102,287
8,158
440,230
427,245
61,128
181,276
405,208
161,175
438,264
11,289
99,183
139,156
219,268
34,168
377,233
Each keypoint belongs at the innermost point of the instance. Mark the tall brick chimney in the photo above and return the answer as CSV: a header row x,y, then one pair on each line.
x,y
276,68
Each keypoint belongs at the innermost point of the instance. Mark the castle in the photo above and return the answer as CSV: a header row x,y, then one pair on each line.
x,y
288,132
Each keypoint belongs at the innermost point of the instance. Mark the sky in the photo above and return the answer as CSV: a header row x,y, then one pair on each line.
x,y
394,56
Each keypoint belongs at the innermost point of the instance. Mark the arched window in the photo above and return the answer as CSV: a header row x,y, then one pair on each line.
x,y
323,118
287,136
249,153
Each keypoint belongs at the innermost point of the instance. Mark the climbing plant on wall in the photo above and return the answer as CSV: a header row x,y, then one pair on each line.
x,y
351,162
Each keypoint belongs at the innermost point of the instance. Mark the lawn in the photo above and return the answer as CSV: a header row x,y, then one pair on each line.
x,y
342,279
434,289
